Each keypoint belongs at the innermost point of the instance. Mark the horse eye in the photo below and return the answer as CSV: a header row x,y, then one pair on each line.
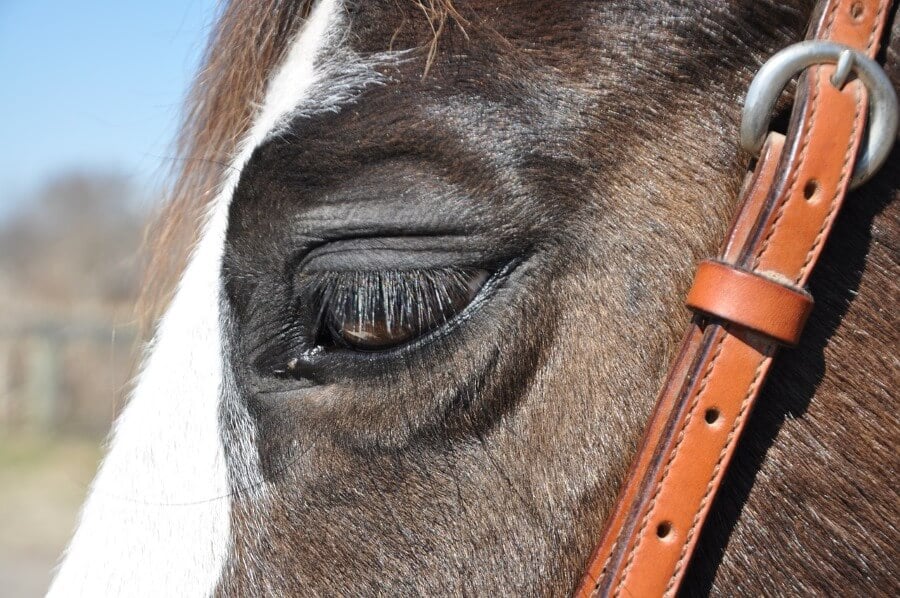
x,y
372,311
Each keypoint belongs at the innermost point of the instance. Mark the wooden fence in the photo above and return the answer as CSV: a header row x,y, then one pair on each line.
x,y
64,376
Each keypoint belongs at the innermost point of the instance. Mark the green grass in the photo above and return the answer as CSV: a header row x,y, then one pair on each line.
x,y
43,481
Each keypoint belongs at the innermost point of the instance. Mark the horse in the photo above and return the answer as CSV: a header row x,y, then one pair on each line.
x,y
437,255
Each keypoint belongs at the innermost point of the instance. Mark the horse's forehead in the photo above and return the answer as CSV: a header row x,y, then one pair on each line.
x,y
502,75
566,36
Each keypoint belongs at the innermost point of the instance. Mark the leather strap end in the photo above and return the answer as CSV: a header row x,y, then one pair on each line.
x,y
750,300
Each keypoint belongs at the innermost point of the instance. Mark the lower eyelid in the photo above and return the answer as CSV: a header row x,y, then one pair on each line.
x,y
477,282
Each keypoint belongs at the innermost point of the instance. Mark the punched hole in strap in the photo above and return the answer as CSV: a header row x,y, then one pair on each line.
x,y
750,300
663,530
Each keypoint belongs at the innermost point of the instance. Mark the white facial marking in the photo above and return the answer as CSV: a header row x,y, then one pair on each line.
x,y
156,522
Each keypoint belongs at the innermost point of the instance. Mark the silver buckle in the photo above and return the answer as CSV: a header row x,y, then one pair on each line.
x,y
783,66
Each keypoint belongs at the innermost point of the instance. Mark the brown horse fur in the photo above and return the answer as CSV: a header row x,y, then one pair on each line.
x,y
248,41
604,160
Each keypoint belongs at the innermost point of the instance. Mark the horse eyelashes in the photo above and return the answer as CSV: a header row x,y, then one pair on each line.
x,y
377,310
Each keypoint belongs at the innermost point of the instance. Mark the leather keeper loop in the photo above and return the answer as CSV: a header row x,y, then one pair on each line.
x,y
750,300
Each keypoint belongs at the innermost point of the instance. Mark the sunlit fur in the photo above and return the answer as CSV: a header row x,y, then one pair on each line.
x,y
589,148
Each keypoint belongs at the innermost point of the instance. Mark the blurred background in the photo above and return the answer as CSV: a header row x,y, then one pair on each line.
x,y
90,99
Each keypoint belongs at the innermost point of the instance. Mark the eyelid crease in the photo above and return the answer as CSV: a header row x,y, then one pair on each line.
x,y
400,253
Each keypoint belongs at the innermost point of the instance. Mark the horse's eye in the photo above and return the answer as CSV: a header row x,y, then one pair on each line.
x,y
372,311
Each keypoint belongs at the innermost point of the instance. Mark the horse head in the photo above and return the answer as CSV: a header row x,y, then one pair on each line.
x,y
434,294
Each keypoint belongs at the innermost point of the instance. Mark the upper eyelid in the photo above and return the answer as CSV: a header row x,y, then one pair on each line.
x,y
404,252
432,313
321,280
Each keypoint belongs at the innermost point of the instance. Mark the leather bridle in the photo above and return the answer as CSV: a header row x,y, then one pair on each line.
x,y
751,298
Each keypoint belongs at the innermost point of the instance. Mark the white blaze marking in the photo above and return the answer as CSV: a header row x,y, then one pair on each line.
x,y
156,522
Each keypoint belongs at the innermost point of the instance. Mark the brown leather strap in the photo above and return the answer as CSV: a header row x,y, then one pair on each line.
x,y
748,299
788,206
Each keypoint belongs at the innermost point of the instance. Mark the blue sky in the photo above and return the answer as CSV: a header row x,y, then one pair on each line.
x,y
93,85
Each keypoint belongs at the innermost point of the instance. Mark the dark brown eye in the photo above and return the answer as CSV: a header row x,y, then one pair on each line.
x,y
371,311
376,335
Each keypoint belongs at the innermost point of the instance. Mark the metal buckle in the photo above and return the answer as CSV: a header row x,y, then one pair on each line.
x,y
783,66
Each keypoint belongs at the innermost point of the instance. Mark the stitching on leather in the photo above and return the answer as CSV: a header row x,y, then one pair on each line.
x,y
826,224
753,385
795,175
818,240
820,237
701,388
745,402
612,551
882,6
